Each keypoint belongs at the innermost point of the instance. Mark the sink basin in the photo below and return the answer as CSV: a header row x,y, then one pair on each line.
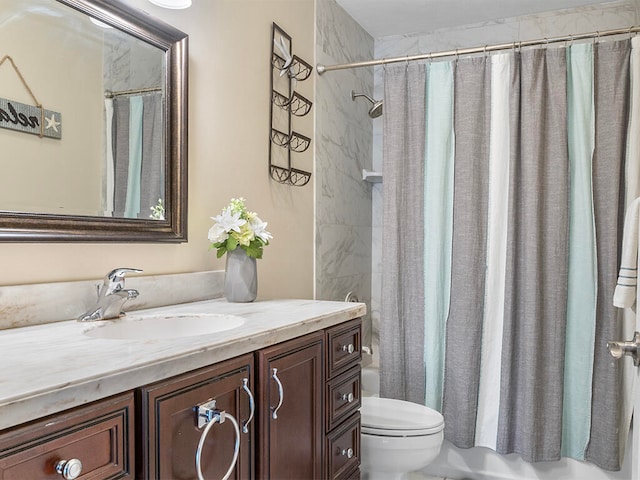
x,y
165,326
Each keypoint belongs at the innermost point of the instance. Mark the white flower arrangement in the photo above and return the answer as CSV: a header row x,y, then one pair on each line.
x,y
157,211
237,227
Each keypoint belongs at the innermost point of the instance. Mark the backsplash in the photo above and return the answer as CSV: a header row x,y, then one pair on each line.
x,y
24,305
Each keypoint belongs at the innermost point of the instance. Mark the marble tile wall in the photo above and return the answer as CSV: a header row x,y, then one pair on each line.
x,y
343,149
129,63
577,20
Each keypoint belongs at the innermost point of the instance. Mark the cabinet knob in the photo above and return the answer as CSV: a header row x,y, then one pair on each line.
x,y
69,469
347,452
348,348
348,397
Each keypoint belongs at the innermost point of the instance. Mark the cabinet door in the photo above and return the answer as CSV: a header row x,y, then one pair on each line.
x,y
170,434
290,392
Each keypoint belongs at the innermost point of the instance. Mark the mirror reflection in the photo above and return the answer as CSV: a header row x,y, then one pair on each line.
x,y
97,148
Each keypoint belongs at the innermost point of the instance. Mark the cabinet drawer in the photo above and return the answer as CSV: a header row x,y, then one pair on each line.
x,y
343,346
100,435
343,449
343,396
355,475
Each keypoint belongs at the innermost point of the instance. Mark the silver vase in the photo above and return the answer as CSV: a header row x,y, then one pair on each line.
x,y
241,277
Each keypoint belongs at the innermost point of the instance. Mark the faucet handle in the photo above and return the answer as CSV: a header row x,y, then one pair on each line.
x,y
115,278
120,272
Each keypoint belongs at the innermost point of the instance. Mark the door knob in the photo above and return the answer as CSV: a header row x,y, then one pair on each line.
x,y
631,348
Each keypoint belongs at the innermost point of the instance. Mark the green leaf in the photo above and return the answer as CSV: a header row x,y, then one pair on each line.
x,y
232,244
254,250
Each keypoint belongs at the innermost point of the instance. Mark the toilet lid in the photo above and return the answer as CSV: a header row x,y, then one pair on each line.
x,y
391,417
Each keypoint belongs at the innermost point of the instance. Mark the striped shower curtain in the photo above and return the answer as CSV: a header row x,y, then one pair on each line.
x,y
506,182
134,163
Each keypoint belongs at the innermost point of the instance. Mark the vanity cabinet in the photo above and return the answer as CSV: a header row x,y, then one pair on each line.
x,y
95,441
303,422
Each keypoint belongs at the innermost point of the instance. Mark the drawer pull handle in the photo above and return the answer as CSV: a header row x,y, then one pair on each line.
x,y
69,469
348,348
348,397
252,405
274,413
347,452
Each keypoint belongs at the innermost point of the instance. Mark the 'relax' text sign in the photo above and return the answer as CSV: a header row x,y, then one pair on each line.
x,y
27,118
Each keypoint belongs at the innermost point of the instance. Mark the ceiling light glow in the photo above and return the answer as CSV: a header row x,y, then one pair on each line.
x,y
173,4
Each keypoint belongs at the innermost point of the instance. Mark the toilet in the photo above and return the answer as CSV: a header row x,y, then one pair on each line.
x,y
398,437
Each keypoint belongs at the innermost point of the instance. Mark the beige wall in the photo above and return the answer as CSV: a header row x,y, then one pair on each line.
x,y
228,141
33,169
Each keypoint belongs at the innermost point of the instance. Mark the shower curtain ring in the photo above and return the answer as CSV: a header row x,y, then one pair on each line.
x,y
406,63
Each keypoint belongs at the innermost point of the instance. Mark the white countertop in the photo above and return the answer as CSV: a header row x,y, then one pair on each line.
x,y
49,368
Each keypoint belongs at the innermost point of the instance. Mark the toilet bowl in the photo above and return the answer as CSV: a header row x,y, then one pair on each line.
x,y
398,437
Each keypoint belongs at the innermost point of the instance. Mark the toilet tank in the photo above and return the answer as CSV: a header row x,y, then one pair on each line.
x,y
370,382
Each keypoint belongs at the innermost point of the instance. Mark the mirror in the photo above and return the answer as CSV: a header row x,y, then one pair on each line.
x,y
93,123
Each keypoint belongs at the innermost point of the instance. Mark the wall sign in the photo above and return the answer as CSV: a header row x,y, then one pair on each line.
x,y
29,119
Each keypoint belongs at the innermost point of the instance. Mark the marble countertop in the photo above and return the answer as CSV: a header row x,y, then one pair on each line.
x,y
49,368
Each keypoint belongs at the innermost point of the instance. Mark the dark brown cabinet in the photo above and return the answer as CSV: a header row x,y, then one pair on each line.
x,y
169,432
342,385
290,399
94,441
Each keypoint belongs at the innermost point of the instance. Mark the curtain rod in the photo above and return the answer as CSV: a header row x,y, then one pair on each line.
x,y
110,94
483,49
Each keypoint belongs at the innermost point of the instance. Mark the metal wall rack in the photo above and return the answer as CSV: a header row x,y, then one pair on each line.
x,y
286,70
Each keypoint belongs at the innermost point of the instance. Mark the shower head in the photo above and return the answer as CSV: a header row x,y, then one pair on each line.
x,y
376,109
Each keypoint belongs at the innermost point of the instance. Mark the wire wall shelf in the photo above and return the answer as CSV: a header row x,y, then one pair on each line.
x,y
298,105
287,70
296,142
295,68
290,176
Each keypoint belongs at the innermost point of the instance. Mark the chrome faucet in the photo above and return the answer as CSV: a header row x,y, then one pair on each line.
x,y
111,296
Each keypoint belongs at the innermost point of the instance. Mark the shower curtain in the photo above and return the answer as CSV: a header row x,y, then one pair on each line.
x,y
506,181
134,160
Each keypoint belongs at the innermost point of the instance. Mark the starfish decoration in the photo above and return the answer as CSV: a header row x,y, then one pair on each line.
x,y
51,123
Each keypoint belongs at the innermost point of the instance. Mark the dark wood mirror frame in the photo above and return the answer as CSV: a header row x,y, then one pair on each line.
x,y
28,227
